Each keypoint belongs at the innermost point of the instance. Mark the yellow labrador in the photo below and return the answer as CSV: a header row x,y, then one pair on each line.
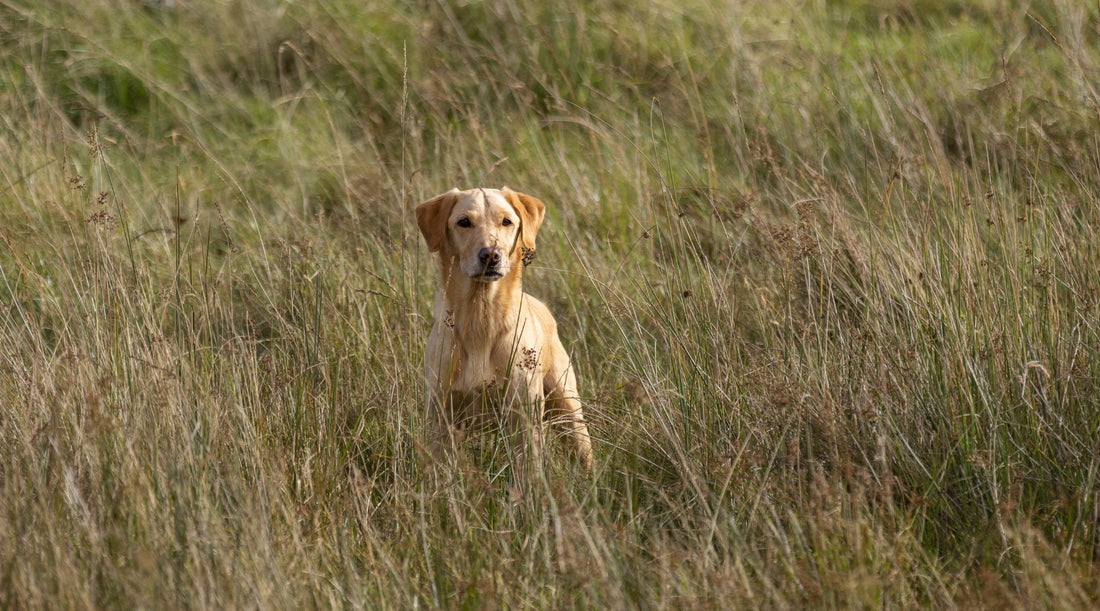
x,y
492,345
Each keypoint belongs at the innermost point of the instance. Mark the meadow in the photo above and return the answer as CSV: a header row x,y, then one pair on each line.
x,y
828,270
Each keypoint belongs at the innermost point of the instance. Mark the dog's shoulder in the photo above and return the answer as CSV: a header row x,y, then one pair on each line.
x,y
541,313
439,303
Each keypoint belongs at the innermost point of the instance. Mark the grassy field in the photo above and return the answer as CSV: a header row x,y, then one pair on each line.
x,y
828,271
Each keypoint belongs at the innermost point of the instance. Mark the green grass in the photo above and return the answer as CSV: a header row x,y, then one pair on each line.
x,y
827,271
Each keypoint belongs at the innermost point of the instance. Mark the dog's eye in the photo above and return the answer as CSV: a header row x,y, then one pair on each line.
x,y
506,222
464,222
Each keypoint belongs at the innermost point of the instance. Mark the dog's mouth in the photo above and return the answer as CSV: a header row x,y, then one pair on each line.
x,y
488,275
485,270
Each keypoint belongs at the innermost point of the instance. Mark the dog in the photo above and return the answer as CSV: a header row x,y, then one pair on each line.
x,y
494,348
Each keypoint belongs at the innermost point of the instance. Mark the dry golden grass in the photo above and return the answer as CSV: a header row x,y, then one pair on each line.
x,y
828,270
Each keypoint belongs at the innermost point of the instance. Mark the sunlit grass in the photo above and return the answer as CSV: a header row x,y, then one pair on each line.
x,y
826,270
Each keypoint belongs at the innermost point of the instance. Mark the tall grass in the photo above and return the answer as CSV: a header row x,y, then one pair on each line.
x,y
826,269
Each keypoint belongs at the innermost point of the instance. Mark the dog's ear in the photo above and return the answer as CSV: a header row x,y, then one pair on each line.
x,y
431,218
531,212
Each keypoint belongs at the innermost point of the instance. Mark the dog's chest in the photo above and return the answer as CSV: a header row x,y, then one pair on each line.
x,y
490,350
476,370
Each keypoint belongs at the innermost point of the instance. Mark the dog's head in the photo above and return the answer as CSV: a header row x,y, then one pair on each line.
x,y
485,231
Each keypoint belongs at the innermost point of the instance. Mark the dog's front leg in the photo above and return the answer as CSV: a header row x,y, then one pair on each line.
x,y
446,407
526,410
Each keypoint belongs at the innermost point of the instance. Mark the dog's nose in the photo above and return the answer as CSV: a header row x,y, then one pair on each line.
x,y
489,256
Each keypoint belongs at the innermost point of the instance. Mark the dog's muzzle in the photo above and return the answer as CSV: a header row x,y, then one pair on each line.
x,y
490,259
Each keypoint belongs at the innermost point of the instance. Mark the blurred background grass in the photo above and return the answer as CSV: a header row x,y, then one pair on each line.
x,y
826,269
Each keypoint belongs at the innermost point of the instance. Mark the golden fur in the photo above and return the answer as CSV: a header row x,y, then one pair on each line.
x,y
492,345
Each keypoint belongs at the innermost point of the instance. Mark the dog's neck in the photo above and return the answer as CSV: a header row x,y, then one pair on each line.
x,y
488,307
